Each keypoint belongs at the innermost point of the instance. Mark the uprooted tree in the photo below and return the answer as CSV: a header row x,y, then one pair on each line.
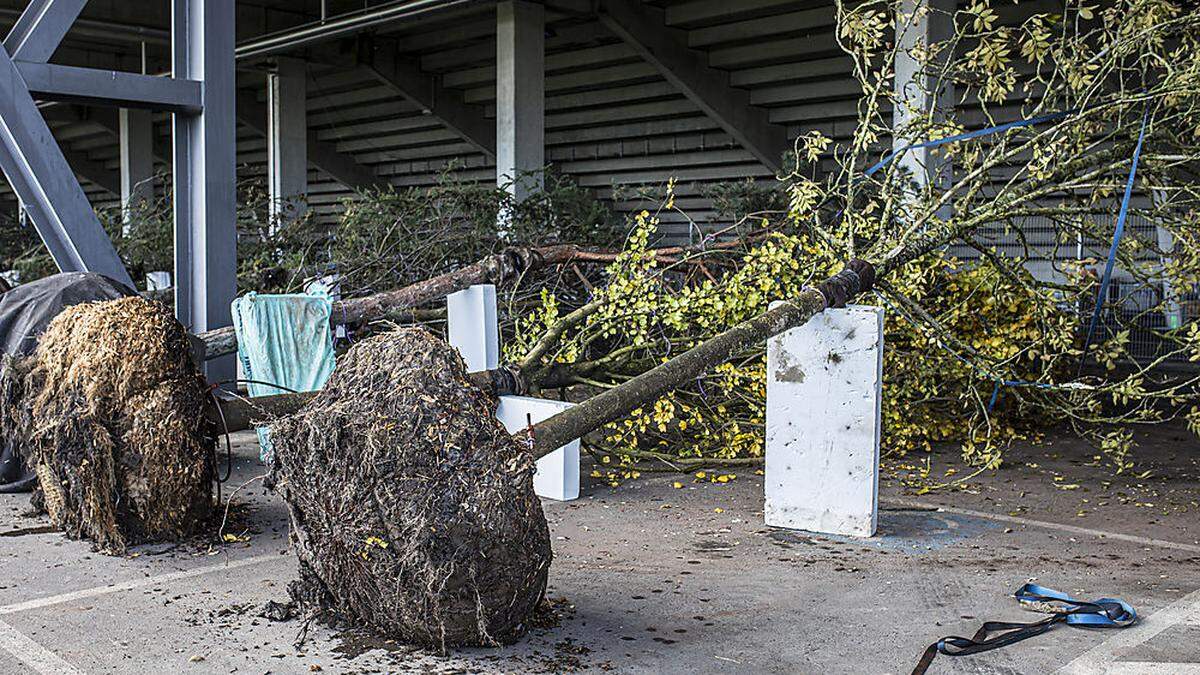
x,y
673,343
646,337
988,326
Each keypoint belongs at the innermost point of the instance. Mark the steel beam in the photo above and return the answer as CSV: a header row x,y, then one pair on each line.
x,y
287,139
136,136
350,23
202,36
107,31
51,82
41,28
425,91
520,95
325,156
45,183
644,28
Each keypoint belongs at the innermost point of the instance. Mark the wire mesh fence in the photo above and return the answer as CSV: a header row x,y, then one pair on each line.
x,y
1146,307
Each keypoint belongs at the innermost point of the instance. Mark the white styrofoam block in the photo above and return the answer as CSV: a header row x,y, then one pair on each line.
x,y
158,281
471,326
557,474
824,386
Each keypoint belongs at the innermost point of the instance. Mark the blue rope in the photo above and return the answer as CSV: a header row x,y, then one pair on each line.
x,y
1116,241
978,133
1112,253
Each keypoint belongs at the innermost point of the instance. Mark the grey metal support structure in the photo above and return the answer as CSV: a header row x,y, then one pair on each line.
x,y
287,139
41,28
921,95
30,157
644,29
51,82
137,158
202,37
520,95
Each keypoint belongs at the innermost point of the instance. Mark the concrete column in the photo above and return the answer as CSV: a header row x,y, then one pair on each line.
x,y
520,94
920,95
137,158
287,138
557,475
1171,307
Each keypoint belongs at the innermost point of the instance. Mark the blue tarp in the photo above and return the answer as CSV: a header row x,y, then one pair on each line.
x,y
284,340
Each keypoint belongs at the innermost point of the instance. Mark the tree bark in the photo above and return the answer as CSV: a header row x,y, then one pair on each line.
x,y
614,403
494,269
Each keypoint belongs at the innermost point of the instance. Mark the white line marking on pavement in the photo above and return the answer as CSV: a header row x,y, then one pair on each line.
x,y
32,654
1135,668
1102,658
136,583
1074,529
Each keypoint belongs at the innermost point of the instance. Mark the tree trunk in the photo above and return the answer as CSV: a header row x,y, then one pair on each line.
x,y
610,405
494,269
614,403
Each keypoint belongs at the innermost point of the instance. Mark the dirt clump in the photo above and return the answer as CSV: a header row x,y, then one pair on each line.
x,y
412,509
110,410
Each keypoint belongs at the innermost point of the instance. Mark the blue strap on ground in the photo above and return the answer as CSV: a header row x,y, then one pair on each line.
x,y
1106,612
1060,608
285,343
1116,240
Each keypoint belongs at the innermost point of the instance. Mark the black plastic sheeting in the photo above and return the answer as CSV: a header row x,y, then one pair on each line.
x,y
25,311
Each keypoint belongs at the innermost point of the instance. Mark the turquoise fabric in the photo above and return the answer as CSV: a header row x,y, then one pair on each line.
x,y
284,340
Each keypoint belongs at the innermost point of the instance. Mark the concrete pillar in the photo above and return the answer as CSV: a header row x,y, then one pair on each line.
x,y
920,94
137,158
557,475
287,139
520,94
824,390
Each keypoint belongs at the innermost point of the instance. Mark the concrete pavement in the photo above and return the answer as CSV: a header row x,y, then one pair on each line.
x,y
651,578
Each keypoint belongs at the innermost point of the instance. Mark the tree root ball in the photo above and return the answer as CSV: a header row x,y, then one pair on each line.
x,y
110,411
412,509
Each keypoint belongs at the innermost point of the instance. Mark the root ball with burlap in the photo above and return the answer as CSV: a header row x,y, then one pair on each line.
x,y
110,411
413,512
